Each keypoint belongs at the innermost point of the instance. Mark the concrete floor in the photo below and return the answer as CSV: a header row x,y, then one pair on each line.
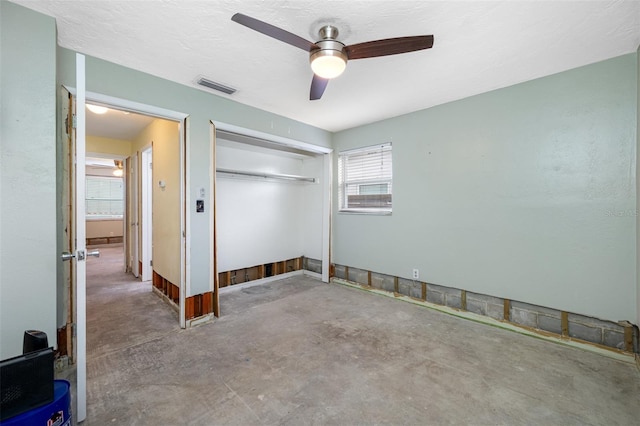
x,y
298,351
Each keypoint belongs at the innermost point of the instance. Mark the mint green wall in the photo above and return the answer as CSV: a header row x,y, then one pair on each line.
x,y
114,80
27,176
526,193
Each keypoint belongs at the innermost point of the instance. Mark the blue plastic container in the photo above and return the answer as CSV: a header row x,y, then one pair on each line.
x,y
56,413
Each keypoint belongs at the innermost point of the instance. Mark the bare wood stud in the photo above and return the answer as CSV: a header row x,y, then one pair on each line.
x,y
396,286
463,300
628,338
564,323
424,291
369,278
507,308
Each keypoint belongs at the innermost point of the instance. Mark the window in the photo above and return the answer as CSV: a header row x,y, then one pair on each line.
x,y
104,197
364,179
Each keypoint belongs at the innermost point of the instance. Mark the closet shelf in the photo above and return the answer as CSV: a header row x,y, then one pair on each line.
x,y
290,178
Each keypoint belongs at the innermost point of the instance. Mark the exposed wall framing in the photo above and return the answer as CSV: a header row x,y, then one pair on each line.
x,y
312,265
621,336
198,305
104,240
252,273
195,306
167,288
62,342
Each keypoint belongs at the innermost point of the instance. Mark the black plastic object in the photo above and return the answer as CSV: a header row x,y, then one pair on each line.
x,y
26,382
34,340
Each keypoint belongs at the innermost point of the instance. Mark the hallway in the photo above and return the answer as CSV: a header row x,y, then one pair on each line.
x,y
121,310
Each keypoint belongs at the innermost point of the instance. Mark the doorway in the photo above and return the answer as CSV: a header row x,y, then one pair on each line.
x,y
126,141
74,276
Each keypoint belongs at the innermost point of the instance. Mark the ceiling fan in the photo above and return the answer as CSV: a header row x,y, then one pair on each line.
x,y
328,56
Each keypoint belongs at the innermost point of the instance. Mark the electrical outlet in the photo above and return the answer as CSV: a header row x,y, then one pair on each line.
x,y
416,274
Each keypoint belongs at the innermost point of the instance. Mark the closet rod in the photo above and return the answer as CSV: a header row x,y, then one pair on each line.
x,y
266,175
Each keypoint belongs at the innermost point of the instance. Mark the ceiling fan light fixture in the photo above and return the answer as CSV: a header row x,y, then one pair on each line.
x,y
119,170
328,63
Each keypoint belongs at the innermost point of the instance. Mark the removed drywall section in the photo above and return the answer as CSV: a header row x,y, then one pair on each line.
x,y
522,193
312,265
30,256
259,272
610,334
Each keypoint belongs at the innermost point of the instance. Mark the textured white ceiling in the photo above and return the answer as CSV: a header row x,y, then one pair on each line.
x,y
479,46
116,124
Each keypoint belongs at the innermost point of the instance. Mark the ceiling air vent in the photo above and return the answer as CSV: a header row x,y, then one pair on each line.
x,y
216,86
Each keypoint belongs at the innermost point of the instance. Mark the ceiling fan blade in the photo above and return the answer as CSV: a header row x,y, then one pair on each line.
x,y
389,46
318,84
272,31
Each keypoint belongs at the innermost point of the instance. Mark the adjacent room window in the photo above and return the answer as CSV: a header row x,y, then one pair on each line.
x,y
365,179
104,197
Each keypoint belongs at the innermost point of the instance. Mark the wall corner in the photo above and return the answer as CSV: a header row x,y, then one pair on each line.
x,y
638,190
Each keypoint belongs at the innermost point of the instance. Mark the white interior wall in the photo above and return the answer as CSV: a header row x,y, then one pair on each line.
x,y
262,220
311,208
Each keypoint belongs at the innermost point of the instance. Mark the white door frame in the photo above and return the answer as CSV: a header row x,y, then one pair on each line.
x,y
135,219
146,185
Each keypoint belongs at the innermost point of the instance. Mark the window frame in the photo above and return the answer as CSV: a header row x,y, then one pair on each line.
x,y
93,217
381,179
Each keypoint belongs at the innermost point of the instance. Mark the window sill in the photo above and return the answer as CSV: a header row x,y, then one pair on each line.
x,y
102,217
366,212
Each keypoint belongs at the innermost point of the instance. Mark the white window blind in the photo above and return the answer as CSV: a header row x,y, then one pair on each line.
x,y
104,197
365,179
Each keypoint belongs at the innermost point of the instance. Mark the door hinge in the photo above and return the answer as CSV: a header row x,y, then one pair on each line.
x,y
151,263
74,121
74,330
